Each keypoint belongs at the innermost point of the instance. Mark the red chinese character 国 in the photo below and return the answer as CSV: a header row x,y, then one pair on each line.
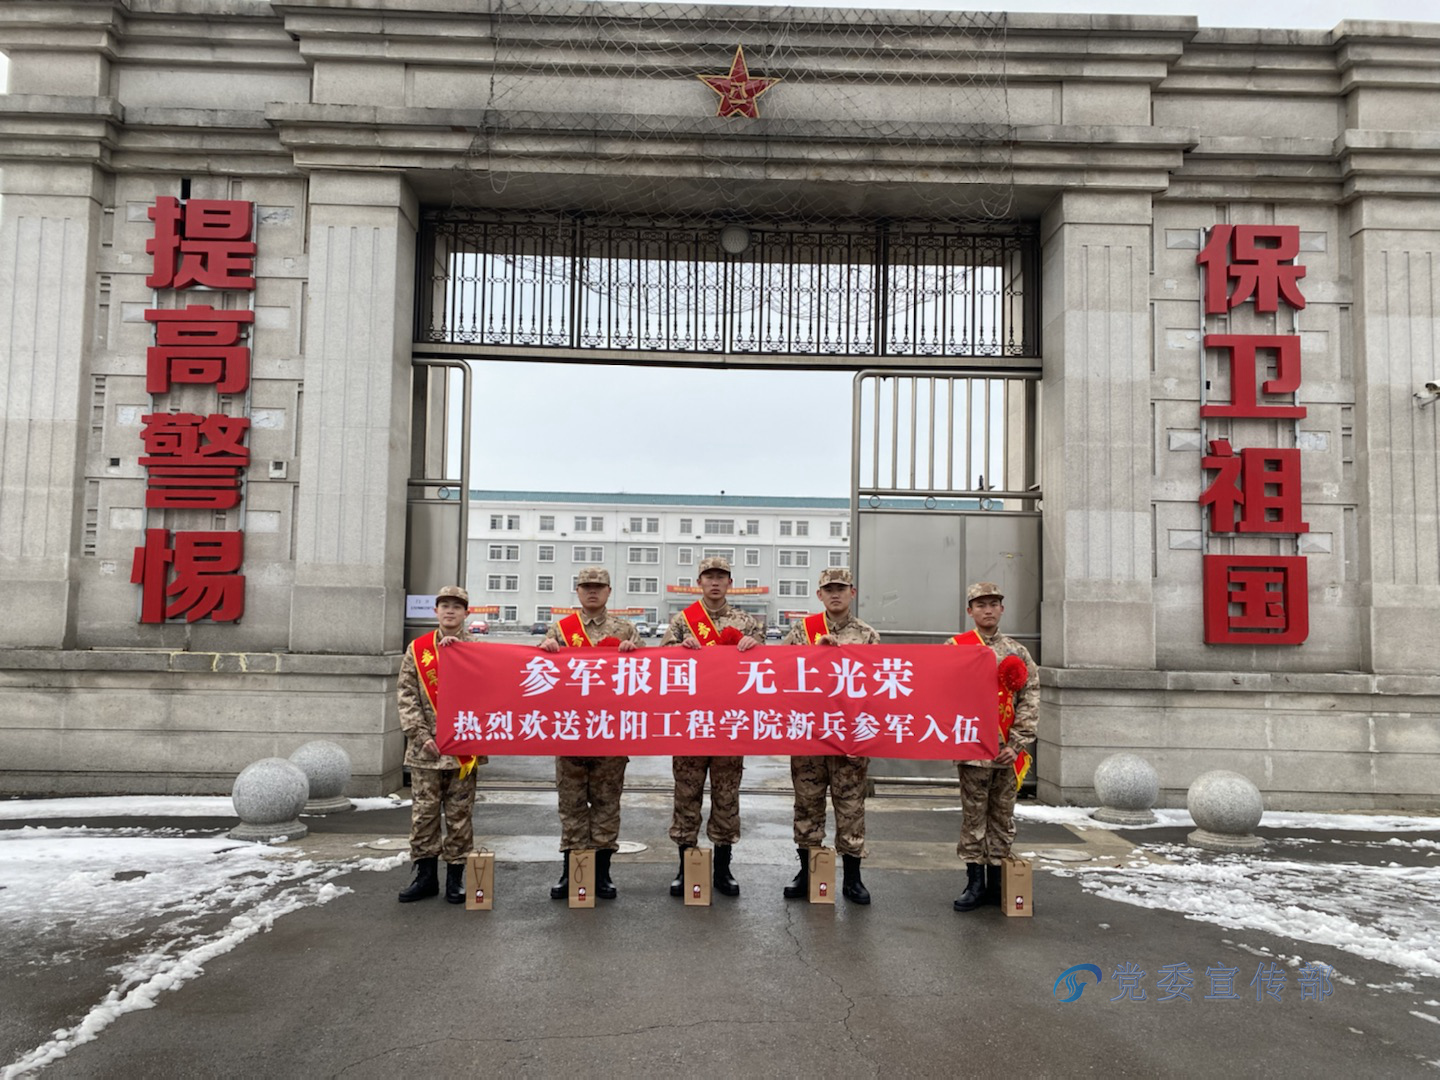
x,y
1256,491
197,344
202,242
1256,600
194,461
1242,352
206,582
1259,260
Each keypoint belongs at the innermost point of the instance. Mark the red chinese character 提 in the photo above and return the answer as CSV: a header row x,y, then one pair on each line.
x,y
194,461
1256,600
197,344
204,242
1245,386
1258,259
205,584
1256,491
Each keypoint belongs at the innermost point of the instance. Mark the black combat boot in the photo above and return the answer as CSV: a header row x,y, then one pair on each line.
x,y
723,880
677,887
561,889
455,882
426,882
854,889
604,887
992,885
799,887
974,894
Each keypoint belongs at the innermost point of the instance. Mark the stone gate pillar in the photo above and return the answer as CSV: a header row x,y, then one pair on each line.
x,y
355,418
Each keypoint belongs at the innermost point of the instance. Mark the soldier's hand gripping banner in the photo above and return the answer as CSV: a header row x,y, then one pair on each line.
x,y
892,701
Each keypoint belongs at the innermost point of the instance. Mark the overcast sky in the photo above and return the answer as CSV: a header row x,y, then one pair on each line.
x,y
588,428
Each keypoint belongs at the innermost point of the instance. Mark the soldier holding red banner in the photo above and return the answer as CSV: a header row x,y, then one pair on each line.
x,y
845,776
988,788
438,782
590,787
710,621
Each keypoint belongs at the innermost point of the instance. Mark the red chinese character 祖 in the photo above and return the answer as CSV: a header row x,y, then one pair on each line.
x,y
1262,484
197,344
1256,600
1241,350
205,583
194,461
1258,258
204,242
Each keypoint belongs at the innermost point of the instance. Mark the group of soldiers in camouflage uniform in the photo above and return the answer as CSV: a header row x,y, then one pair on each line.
x,y
590,787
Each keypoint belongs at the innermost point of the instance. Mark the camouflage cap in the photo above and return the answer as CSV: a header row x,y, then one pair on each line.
x,y
593,575
983,588
452,592
836,575
714,562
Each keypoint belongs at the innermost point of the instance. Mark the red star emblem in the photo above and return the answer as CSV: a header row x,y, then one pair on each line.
x,y
737,90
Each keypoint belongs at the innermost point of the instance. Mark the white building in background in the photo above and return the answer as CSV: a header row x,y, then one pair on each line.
x,y
525,548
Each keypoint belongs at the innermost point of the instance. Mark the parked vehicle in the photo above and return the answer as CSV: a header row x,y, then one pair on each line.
x,y
774,633
479,626
539,628
642,629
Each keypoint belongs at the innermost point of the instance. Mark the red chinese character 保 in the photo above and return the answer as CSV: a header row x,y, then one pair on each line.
x,y
1245,387
1256,600
1256,491
197,344
205,583
1244,254
202,242
194,461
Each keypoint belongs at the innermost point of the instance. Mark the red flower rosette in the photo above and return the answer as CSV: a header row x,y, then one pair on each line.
x,y
730,636
608,643
1013,673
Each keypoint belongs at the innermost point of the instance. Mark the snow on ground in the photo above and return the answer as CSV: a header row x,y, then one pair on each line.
x,y
1079,816
146,806
1387,913
166,905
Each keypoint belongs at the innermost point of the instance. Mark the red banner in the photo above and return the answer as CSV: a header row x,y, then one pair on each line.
x,y
889,701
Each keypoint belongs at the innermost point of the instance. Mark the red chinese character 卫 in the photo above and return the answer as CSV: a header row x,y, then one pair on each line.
x,y
1245,387
206,583
1259,260
1256,600
205,242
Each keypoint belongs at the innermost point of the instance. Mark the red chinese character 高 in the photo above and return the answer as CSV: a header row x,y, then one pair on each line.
x,y
197,344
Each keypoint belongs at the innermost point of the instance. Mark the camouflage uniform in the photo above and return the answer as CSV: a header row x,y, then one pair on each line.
x,y
589,787
987,790
435,784
846,778
689,772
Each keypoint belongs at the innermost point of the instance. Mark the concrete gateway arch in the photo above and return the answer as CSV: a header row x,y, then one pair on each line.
x,y
1278,625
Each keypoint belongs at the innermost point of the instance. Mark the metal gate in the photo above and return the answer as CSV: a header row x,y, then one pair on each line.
x,y
945,491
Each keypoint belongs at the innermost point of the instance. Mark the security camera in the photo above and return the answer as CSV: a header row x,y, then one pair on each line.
x,y
1432,387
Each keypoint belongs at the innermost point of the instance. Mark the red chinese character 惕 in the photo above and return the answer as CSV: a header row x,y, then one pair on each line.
x,y
1256,600
1256,491
194,461
1245,386
205,583
197,344
204,242
1258,259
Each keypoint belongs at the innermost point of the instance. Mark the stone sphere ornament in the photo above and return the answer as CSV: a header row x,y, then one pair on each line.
x,y
1126,786
269,795
327,766
1226,806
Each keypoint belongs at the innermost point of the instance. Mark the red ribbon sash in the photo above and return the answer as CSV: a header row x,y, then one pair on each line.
x,y
698,619
1007,707
816,626
426,650
572,632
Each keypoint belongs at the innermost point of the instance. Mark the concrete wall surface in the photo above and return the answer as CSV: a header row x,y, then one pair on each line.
x,y
1123,138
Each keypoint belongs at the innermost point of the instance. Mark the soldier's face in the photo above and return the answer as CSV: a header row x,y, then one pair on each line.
x,y
714,584
593,596
986,612
836,597
451,614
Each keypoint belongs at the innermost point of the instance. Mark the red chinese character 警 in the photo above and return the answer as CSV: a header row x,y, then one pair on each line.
x,y
1256,491
205,583
1245,387
1256,600
194,461
197,344
1257,258
202,242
